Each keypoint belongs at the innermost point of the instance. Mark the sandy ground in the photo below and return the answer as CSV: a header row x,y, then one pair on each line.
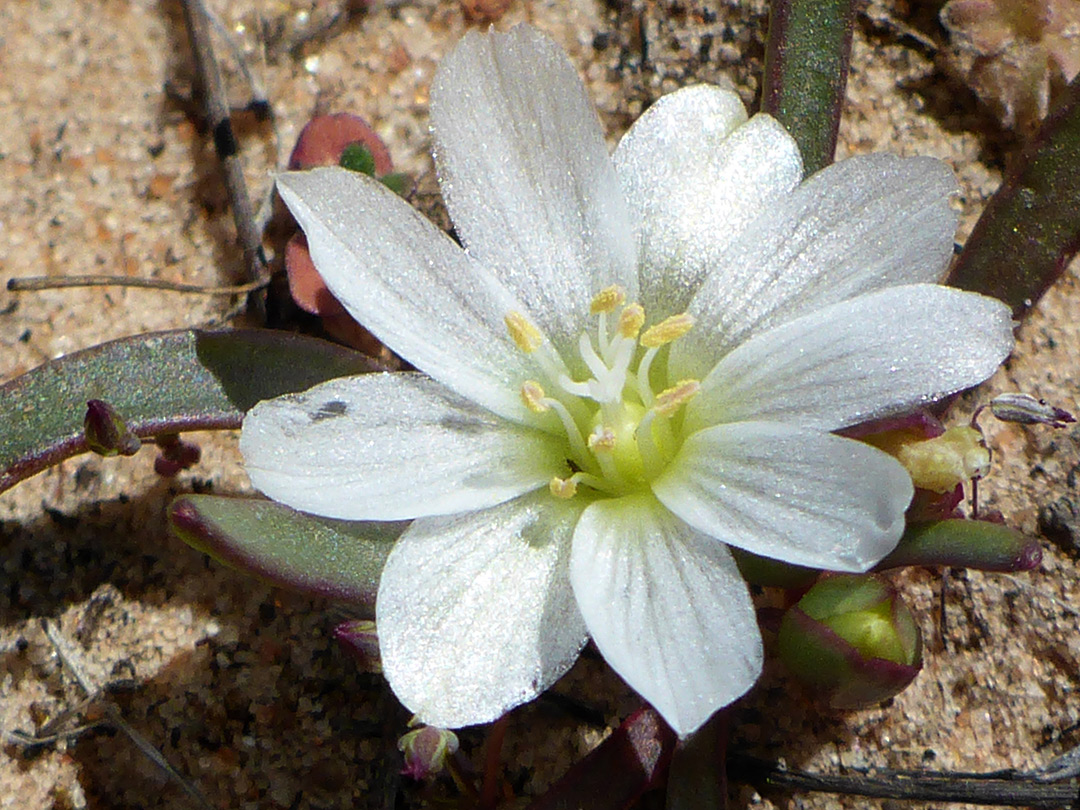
x,y
238,684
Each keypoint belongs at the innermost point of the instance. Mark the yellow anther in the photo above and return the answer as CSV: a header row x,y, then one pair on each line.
x,y
631,319
602,440
527,337
564,488
667,330
533,396
607,299
671,399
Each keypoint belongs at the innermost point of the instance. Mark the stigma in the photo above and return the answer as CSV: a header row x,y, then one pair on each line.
x,y
620,421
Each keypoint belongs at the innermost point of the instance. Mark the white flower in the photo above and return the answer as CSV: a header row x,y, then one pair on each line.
x,y
634,363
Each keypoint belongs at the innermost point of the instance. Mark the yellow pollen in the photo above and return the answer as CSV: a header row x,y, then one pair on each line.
x,y
564,488
667,330
631,319
602,440
607,299
527,337
671,399
533,396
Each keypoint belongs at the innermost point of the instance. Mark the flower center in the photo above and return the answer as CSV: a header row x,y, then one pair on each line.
x,y
617,424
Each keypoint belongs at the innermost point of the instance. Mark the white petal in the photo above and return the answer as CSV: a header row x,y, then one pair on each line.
x,y
475,612
857,226
793,494
874,356
389,447
667,608
408,283
527,178
697,173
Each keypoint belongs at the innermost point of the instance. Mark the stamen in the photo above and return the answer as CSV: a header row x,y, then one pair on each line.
x,y
631,319
671,399
599,484
667,330
643,387
527,337
533,396
573,434
564,488
607,299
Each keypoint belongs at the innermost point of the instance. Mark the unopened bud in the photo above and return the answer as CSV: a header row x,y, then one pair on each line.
x,y
176,455
107,434
426,749
360,639
852,640
1025,409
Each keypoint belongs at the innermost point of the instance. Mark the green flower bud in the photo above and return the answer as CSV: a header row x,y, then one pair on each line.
x,y
107,434
360,639
426,749
851,640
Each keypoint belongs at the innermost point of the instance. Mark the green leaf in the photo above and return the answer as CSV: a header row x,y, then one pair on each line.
x,y
337,559
1031,227
164,382
806,65
964,543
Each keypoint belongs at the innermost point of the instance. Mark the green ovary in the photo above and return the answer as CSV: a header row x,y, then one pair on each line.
x,y
625,456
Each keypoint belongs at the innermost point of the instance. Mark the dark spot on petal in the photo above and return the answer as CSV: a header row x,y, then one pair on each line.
x,y
330,410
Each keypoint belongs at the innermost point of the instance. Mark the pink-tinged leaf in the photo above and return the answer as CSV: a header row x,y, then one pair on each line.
x,y
613,776
698,778
1030,230
807,53
337,559
323,139
963,543
163,382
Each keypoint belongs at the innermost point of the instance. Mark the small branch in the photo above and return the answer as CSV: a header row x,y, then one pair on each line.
x,y
211,88
35,283
1001,788
72,664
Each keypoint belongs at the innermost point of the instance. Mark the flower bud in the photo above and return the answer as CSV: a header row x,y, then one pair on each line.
x,y
851,640
176,455
1025,409
426,749
359,638
107,434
